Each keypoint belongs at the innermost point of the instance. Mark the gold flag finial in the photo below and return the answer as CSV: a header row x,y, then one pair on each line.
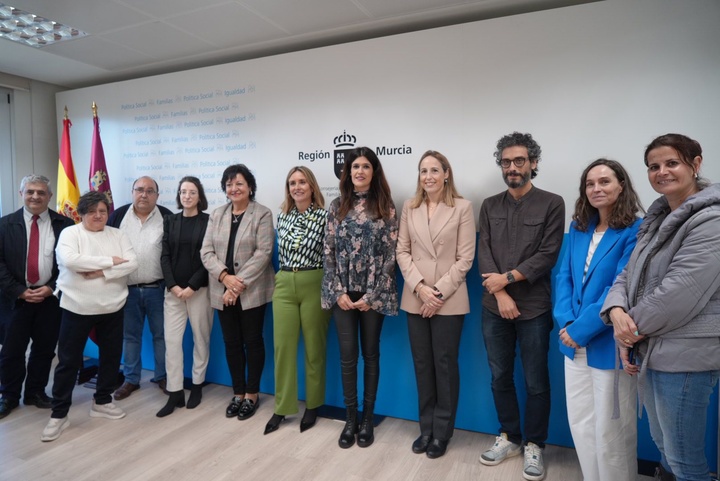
x,y
94,109
66,113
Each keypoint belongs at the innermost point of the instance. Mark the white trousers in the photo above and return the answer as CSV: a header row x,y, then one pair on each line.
x,y
177,312
606,447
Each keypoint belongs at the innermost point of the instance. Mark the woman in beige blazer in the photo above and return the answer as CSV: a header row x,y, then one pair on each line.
x,y
435,250
237,251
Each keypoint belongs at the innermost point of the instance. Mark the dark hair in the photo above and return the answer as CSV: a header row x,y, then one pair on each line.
x,y
686,148
91,199
523,140
379,198
625,210
202,203
232,171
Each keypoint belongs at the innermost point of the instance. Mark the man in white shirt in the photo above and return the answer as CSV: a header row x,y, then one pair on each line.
x,y
142,222
28,309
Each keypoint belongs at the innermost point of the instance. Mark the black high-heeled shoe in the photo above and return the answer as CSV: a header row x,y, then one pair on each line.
x,y
273,424
308,420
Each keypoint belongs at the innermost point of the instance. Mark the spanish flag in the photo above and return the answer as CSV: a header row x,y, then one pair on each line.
x,y
68,193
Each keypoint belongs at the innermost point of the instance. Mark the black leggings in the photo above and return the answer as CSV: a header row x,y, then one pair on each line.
x,y
370,324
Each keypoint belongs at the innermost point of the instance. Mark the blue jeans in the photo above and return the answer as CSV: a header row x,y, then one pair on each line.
x,y
141,302
676,405
533,336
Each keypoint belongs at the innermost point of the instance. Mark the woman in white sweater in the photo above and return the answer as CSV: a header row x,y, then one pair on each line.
x,y
94,261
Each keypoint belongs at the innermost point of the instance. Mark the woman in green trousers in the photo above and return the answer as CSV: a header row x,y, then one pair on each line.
x,y
296,299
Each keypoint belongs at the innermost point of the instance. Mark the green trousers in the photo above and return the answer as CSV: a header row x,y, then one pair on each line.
x,y
296,308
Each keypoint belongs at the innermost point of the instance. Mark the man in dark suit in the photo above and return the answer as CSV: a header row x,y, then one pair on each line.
x,y
28,272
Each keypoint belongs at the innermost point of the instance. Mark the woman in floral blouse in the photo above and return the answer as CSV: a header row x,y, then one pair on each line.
x,y
296,300
359,280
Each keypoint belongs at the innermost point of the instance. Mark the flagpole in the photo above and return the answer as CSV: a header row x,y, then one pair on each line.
x,y
94,109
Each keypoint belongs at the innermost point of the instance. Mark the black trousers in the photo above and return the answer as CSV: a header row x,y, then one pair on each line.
x,y
369,324
244,345
26,321
435,343
74,330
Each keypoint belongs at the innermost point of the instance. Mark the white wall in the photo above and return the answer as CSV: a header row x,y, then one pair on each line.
x,y
601,79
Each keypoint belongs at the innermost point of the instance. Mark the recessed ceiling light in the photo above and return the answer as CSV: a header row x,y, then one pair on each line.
x,y
29,29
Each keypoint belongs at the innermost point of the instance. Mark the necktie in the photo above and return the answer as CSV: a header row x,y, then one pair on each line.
x,y
33,272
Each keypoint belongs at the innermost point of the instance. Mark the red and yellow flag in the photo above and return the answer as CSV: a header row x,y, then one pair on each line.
x,y
68,193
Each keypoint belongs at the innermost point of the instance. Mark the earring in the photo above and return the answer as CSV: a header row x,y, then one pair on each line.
x,y
446,181
696,175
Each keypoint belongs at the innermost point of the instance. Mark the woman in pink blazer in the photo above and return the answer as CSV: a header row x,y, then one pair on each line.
x,y
237,251
435,250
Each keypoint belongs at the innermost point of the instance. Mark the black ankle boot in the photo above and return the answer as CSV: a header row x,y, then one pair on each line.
x,y
176,399
347,436
195,396
365,435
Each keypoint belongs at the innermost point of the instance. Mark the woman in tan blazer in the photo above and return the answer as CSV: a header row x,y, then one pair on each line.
x,y
435,250
237,251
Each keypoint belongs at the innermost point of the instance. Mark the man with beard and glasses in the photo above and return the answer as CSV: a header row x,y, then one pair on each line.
x,y
521,232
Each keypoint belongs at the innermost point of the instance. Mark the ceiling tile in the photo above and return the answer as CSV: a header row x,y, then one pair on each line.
x,y
228,26
158,40
309,15
91,16
384,8
99,53
171,8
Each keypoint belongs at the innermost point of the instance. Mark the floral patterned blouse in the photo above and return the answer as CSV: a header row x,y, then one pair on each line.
x,y
360,256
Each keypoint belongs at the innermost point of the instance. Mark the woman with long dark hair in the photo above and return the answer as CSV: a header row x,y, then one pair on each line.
x,y
599,244
359,280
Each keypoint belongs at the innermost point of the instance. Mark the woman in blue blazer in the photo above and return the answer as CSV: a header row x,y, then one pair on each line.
x,y
599,244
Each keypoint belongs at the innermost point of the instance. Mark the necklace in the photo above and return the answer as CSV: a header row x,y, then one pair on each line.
x,y
236,217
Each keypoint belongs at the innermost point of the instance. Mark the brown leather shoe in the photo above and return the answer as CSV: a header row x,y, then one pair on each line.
x,y
125,390
162,384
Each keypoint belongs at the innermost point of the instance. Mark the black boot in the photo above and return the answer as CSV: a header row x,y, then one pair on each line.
x,y
175,400
365,435
195,396
347,436
663,475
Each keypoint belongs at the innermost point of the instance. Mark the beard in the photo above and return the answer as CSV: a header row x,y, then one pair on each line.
x,y
515,184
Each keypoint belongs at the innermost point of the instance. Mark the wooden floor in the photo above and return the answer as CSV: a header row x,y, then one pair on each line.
x,y
202,444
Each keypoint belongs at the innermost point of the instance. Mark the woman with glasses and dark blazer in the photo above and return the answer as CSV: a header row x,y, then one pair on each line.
x,y
187,295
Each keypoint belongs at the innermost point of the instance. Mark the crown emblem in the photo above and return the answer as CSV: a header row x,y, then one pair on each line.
x,y
344,140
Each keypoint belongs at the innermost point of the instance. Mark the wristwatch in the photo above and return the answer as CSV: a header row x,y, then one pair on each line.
x,y
510,277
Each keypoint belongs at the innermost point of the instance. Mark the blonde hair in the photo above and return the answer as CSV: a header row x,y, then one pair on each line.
x,y
316,196
449,191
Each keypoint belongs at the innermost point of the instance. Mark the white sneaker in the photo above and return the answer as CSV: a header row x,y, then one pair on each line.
x,y
503,448
108,411
534,470
54,428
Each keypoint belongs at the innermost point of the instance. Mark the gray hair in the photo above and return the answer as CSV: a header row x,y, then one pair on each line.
x,y
35,179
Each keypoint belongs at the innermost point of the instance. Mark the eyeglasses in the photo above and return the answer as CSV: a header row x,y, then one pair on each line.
x,y
518,161
140,191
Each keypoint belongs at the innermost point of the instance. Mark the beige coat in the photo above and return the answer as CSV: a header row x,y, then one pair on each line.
x,y
253,254
439,253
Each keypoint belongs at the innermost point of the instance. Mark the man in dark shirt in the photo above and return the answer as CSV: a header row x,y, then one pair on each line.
x,y
521,232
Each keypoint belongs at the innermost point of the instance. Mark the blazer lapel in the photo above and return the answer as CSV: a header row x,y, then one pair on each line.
x,y
244,224
441,217
609,239
421,227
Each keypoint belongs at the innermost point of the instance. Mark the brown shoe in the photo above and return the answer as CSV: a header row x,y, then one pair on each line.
x,y
125,390
162,384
